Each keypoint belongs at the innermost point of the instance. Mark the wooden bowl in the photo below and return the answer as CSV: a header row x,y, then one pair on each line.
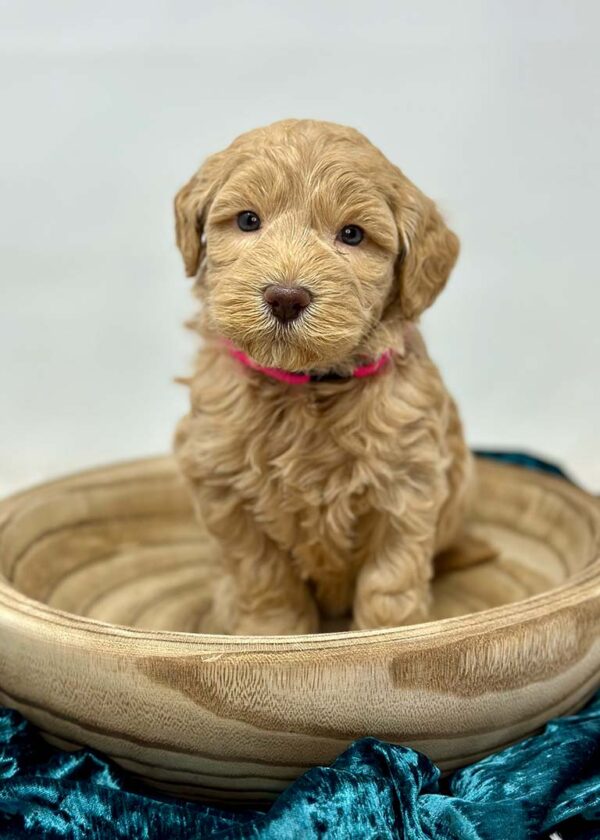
x,y
105,579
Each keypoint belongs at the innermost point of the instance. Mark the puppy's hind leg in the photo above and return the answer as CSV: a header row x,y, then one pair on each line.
x,y
467,550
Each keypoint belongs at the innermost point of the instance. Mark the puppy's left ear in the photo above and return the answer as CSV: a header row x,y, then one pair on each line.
x,y
191,206
429,251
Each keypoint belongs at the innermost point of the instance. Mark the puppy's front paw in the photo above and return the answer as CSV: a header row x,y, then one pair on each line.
x,y
280,623
237,615
392,609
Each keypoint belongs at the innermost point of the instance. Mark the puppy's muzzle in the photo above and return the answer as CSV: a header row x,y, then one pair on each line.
x,y
286,302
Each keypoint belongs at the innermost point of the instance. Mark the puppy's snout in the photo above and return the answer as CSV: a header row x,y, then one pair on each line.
x,y
287,302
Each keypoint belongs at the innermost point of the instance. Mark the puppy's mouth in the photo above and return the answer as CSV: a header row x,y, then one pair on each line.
x,y
285,329
298,345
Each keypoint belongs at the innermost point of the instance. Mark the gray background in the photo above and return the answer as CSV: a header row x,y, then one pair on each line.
x,y
490,107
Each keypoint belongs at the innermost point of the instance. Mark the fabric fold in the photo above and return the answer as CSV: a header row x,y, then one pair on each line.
x,y
547,783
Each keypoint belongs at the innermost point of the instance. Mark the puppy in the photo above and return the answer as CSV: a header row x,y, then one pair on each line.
x,y
322,449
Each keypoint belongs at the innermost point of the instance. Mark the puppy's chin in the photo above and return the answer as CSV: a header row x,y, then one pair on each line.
x,y
290,348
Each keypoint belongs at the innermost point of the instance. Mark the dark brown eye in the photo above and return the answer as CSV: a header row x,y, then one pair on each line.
x,y
351,235
248,220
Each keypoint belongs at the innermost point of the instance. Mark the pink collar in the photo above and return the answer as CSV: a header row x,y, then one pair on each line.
x,y
293,378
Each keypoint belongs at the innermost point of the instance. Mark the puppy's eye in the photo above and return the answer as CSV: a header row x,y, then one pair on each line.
x,y
248,220
351,235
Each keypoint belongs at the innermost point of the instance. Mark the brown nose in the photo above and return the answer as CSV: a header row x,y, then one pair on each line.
x,y
287,302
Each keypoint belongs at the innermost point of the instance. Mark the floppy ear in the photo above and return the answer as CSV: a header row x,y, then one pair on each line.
x,y
191,205
430,250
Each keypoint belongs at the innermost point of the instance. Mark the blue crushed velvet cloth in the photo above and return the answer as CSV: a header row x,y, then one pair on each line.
x,y
374,790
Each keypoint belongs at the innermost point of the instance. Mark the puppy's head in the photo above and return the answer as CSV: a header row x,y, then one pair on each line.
x,y
303,238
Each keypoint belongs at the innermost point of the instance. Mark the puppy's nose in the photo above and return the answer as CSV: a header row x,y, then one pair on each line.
x,y
287,302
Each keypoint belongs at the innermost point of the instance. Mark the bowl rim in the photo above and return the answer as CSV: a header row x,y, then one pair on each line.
x,y
584,585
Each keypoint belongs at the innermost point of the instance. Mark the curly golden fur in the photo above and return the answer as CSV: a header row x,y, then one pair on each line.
x,y
328,497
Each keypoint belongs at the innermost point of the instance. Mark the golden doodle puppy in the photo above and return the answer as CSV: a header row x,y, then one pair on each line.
x,y
323,451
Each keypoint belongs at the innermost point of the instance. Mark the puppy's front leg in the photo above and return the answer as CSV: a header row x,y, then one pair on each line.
x,y
269,597
392,587
261,592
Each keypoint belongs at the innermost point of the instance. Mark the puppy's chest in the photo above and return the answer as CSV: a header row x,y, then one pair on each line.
x,y
321,475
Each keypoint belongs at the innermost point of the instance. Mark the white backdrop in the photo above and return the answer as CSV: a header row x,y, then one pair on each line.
x,y
490,107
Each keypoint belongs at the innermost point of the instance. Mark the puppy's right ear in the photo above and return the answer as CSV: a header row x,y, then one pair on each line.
x,y
191,206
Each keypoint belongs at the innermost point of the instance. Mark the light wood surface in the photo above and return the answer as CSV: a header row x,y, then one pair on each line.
x,y
105,590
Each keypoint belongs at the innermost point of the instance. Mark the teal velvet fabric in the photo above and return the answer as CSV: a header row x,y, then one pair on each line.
x,y
374,790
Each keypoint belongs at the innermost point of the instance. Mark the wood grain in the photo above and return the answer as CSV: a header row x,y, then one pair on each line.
x,y
105,597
